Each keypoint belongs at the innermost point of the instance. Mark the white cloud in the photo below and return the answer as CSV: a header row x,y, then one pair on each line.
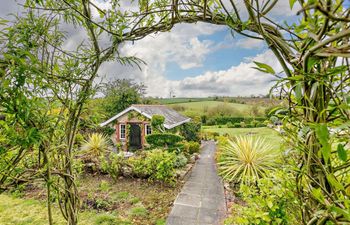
x,y
181,46
250,43
237,80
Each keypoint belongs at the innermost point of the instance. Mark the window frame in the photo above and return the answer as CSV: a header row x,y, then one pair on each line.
x,y
120,131
146,126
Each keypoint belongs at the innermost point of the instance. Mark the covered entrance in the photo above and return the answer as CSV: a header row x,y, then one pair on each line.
x,y
135,136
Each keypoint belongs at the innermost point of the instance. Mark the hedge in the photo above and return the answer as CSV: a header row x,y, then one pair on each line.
x,y
163,139
222,120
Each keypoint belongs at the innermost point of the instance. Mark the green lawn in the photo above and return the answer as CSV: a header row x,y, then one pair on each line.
x,y
205,107
270,135
28,211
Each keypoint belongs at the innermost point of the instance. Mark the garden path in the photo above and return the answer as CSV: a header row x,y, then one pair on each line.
x,y
201,200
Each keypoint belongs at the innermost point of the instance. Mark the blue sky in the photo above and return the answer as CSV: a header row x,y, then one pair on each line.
x,y
192,60
220,59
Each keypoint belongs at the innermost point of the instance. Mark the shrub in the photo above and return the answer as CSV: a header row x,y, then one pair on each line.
x,y
163,140
249,126
236,125
274,119
260,125
181,161
223,109
246,159
95,146
221,120
211,121
157,122
204,119
193,147
230,125
107,130
139,167
79,138
113,166
155,165
190,131
254,123
273,201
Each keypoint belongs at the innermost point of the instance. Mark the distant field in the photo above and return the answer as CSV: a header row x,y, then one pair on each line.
x,y
245,100
182,100
209,107
271,136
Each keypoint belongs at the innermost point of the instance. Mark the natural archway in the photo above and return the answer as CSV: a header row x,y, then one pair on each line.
x,y
313,54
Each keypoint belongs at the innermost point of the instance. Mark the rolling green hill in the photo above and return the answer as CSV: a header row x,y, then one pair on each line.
x,y
211,108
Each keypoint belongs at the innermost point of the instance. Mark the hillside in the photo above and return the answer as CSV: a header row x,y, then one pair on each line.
x,y
212,108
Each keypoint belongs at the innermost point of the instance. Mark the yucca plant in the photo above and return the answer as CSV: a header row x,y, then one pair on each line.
x,y
246,159
95,146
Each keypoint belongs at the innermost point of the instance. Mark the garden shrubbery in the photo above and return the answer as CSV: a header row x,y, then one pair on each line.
x,y
192,147
155,165
271,201
163,139
265,193
222,120
190,131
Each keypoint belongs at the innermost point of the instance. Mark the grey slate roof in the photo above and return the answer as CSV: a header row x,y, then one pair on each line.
x,y
172,117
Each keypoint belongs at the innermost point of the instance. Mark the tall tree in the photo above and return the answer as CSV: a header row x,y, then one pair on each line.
x,y
120,94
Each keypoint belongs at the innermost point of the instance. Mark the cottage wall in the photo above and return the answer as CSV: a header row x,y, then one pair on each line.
x,y
128,118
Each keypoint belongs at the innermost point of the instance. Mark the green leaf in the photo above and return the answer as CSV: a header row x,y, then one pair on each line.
x,y
322,133
317,193
342,154
323,136
269,204
298,92
291,3
334,182
341,211
264,68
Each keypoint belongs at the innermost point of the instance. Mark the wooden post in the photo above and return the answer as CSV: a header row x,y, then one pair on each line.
x,y
143,134
126,136
117,132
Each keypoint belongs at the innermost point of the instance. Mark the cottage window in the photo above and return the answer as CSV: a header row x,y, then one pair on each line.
x,y
148,129
122,131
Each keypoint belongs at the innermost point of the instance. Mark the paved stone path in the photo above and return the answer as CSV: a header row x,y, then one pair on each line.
x,y
201,201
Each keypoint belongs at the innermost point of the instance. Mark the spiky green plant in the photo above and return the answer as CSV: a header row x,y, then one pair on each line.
x,y
95,145
246,159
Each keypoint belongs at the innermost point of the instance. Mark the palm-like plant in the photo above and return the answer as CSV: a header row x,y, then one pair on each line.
x,y
95,145
246,159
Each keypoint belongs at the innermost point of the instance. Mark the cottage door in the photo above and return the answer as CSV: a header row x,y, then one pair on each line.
x,y
135,136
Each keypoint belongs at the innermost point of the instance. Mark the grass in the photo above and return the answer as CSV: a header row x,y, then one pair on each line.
x,y
269,134
205,107
29,211
128,201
